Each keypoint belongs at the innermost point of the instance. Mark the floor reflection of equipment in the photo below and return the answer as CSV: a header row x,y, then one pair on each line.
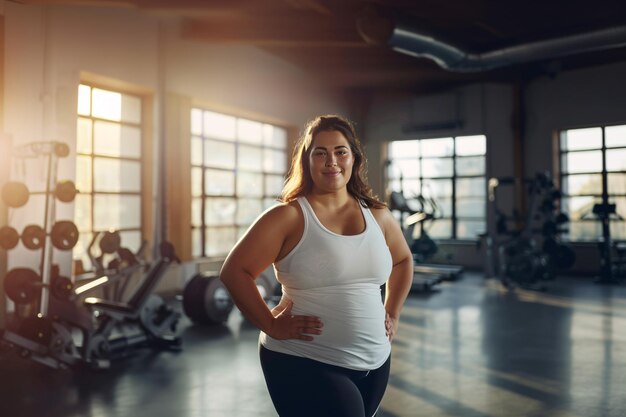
x,y
423,247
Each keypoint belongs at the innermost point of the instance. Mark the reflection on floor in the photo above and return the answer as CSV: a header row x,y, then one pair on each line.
x,y
470,349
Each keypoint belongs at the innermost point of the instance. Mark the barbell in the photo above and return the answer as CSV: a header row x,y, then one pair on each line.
x,y
16,194
64,236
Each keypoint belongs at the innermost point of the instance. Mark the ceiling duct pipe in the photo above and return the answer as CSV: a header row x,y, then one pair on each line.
x,y
376,27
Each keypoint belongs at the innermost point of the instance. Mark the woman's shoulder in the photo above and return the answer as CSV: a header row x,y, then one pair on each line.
x,y
284,213
284,208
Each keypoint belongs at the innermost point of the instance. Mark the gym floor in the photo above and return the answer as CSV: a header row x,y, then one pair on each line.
x,y
470,349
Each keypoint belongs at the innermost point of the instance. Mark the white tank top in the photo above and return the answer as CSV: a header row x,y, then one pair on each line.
x,y
338,279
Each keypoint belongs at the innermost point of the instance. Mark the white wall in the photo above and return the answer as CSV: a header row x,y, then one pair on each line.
x,y
246,78
482,109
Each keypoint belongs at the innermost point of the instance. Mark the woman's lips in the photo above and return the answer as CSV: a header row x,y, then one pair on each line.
x,y
331,173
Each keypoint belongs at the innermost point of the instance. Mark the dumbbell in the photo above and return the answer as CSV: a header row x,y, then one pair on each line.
x,y
23,286
15,194
64,236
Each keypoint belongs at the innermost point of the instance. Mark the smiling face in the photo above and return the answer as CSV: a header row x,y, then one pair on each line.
x,y
330,161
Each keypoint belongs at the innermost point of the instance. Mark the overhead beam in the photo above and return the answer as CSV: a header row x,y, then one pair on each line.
x,y
372,57
148,4
273,31
192,8
178,8
311,5
352,77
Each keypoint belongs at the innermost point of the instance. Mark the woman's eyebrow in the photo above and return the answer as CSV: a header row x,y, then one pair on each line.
x,y
336,147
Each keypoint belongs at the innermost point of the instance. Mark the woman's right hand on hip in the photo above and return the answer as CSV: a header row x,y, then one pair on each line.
x,y
286,325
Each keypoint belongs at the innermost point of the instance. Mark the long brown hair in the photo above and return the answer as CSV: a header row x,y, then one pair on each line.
x,y
299,181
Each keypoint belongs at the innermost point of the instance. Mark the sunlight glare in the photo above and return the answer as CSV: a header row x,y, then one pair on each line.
x,y
471,145
437,147
107,105
577,139
219,126
404,149
84,101
615,136
250,131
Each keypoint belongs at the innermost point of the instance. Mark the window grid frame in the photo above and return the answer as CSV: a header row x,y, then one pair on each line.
x,y
454,218
92,155
236,141
604,173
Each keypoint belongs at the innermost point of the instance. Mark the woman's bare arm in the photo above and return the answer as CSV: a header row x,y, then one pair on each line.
x,y
255,251
401,278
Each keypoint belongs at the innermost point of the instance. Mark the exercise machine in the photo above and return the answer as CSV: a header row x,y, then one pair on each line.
x,y
425,275
529,249
121,264
612,259
95,331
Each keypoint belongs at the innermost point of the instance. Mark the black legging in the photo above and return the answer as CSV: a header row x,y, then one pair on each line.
x,y
302,387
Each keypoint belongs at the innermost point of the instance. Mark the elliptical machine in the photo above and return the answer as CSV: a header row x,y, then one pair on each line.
x,y
425,275
398,203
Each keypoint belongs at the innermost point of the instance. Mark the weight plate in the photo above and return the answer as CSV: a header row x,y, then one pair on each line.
x,y
217,301
61,149
65,191
15,194
206,300
64,235
61,287
33,237
8,237
21,285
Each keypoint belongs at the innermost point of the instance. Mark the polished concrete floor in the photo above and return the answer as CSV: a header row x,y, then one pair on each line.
x,y
470,349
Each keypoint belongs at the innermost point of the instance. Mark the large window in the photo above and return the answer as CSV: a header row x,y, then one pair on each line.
x,y
237,170
587,156
108,166
451,172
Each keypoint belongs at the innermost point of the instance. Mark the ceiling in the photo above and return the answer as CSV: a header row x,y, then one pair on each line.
x,y
321,36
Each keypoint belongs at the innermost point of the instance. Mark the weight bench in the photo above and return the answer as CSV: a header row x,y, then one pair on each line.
x,y
154,317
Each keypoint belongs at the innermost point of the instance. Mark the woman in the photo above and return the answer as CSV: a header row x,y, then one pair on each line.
x,y
325,348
